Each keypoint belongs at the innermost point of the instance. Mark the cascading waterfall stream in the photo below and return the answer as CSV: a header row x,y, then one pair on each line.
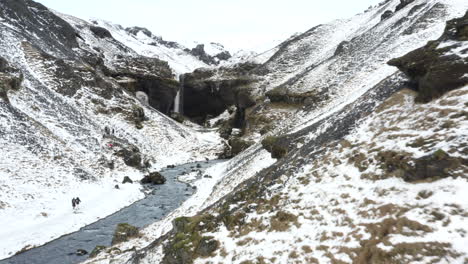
x,y
178,100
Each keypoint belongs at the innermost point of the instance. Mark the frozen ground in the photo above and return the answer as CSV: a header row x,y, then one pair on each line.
x,y
345,206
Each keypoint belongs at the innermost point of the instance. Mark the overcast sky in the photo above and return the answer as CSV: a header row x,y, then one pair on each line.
x,y
237,24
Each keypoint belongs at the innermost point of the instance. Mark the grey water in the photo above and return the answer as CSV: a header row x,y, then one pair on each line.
x,y
161,200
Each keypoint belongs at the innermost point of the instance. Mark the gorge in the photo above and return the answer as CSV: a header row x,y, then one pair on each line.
x,y
346,143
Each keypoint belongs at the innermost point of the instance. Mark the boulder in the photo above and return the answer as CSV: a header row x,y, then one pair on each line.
x,y
274,145
435,69
133,159
153,178
81,252
238,145
177,117
127,180
124,232
100,32
131,156
138,114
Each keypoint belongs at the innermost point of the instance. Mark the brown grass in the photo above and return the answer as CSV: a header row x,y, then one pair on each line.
x,y
306,249
282,221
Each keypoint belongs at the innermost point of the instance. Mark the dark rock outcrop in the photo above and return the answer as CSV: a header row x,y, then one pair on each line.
x,y
149,75
127,180
225,55
100,32
403,4
157,39
199,52
435,69
206,96
124,232
386,15
135,30
10,79
35,17
153,178
281,94
342,47
236,146
137,116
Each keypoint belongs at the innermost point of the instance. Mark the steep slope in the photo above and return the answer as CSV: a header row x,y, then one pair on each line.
x,y
145,43
363,173
72,126
370,198
330,65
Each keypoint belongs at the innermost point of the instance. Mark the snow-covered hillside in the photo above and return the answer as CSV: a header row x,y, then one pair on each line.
x,y
350,202
325,68
144,43
52,128
364,174
343,165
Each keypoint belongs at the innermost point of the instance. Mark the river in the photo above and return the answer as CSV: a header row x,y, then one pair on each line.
x,y
161,200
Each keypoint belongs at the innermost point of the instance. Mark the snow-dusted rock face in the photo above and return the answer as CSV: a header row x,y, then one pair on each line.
x,y
441,65
64,87
333,64
367,175
181,59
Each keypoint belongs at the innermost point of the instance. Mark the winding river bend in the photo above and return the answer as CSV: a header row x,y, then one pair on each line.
x,y
162,200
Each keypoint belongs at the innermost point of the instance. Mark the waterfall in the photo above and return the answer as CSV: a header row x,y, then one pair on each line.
x,y
179,99
177,102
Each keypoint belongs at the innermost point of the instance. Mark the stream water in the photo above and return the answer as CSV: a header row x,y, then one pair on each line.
x,y
158,203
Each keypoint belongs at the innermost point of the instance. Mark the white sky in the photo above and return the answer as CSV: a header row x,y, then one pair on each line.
x,y
237,24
